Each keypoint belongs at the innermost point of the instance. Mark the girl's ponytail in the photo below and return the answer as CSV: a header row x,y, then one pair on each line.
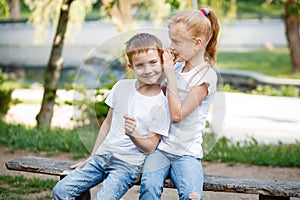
x,y
211,47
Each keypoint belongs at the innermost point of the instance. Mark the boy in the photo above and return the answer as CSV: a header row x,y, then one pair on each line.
x,y
135,122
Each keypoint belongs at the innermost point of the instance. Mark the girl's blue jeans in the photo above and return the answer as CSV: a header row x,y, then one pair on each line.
x,y
185,171
117,177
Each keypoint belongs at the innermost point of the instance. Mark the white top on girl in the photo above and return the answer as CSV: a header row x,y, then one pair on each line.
x,y
185,137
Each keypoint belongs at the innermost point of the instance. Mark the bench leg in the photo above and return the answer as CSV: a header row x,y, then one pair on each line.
x,y
84,196
265,197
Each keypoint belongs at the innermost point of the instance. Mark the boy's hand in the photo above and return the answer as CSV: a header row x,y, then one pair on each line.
x,y
130,125
80,164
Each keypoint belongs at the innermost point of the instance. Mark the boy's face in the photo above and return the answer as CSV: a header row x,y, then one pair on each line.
x,y
147,67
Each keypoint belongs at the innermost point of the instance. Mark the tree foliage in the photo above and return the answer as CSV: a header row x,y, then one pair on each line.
x,y
4,9
46,12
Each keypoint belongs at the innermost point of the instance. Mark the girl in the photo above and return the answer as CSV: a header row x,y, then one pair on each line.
x,y
191,84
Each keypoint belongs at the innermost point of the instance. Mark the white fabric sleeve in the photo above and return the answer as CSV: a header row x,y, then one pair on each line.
x,y
111,100
209,77
160,121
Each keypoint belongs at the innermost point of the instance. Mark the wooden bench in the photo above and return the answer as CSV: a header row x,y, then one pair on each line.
x,y
266,189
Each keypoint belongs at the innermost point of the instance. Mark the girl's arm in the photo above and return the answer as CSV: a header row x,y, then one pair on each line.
x,y
147,144
180,109
104,129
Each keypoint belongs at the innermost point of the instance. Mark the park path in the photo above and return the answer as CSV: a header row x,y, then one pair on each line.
x,y
236,116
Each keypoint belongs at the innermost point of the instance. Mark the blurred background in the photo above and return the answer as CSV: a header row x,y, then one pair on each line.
x,y
60,58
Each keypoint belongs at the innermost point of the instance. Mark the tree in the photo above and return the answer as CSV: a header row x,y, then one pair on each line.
x,y
120,13
53,70
14,6
45,12
292,25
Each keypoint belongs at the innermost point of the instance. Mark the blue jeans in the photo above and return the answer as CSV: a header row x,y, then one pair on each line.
x,y
117,177
185,171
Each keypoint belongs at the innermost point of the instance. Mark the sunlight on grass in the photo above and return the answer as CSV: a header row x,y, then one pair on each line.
x,y
273,63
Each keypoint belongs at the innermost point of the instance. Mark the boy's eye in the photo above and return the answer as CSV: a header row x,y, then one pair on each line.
x,y
139,66
153,62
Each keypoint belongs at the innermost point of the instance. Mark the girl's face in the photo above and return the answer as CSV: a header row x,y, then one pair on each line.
x,y
181,44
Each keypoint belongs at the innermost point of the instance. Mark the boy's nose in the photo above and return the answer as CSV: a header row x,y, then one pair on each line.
x,y
147,69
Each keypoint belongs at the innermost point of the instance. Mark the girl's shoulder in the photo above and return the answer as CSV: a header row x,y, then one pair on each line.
x,y
179,66
211,72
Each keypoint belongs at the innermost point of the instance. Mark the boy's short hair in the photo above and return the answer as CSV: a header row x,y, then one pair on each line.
x,y
142,42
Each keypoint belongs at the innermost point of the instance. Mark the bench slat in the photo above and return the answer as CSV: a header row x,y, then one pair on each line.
x,y
211,182
251,186
40,165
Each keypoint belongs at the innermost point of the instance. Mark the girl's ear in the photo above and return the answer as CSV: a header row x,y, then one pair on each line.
x,y
198,41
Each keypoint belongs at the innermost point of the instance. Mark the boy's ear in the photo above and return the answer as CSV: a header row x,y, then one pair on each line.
x,y
130,66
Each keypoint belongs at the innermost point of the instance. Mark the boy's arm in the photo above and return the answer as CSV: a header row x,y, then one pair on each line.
x,y
104,129
146,142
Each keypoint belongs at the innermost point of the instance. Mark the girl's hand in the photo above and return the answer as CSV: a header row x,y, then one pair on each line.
x,y
130,125
168,63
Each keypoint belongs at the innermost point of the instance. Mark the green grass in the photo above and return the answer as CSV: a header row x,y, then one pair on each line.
x,y
251,152
59,140
21,188
268,90
34,140
273,63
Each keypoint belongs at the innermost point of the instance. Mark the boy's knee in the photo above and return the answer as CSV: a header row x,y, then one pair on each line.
x,y
57,192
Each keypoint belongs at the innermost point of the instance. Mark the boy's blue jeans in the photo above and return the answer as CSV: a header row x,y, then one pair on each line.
x,y
185,171
117,177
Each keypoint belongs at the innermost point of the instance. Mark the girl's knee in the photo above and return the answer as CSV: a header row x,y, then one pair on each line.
x,y
149,183
195,196
150,188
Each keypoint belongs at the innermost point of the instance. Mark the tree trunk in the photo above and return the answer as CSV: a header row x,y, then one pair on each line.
x,y
292,23
53,70
14,7
120,13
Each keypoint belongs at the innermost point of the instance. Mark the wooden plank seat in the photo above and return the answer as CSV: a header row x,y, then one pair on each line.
x,y
266,189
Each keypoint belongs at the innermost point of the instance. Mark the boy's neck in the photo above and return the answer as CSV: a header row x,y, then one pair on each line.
x,y
148,90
